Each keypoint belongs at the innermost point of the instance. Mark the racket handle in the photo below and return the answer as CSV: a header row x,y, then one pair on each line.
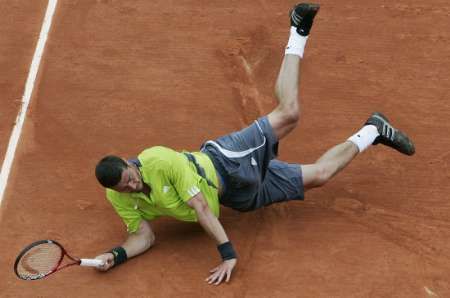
x,y
91,262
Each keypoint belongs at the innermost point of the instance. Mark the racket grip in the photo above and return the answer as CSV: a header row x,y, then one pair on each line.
x,y
91,262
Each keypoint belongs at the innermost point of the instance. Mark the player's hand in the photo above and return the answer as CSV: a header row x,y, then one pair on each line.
x,y
222,271
108,261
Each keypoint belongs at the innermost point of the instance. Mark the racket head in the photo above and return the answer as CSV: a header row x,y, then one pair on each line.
x,y
39,259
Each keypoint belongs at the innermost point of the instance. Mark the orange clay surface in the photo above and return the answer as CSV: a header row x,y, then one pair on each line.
x,y
20,23
120,76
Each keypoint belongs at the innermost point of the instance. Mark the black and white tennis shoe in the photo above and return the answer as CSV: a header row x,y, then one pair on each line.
x,y
389,135
302,17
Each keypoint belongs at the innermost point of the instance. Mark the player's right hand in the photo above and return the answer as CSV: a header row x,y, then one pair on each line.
x,y
108,261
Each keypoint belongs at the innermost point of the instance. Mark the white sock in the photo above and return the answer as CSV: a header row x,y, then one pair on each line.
x,y
296,43
365,137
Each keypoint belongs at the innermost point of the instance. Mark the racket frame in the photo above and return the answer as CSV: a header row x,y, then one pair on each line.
x,y
75,261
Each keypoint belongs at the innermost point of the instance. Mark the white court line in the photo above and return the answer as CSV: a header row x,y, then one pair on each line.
x,y
17,129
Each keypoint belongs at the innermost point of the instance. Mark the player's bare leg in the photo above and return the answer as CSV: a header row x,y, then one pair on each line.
x,y
376,130
328,165
285,116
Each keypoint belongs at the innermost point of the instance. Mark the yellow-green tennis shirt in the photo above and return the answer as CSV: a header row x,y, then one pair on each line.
x,y
173,180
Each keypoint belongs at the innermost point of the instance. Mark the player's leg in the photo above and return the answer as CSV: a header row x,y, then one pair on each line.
x,y
328,165
377,130
285,181
285,116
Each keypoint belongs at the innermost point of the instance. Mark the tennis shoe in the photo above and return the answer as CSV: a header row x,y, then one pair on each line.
x,y
302,17
389,135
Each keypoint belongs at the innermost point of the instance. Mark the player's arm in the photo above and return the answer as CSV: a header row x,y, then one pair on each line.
x,y
214,228
207,219
135,244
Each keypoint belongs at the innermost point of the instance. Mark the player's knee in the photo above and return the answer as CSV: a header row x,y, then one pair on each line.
x,y
292,117
290,114
322,175
284,119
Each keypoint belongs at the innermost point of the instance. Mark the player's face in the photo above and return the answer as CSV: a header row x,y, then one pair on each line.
x,y
131,181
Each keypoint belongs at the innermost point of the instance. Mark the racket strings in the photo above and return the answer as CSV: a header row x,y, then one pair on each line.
x,y
39,260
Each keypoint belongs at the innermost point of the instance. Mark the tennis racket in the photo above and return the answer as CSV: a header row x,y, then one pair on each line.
x,y
42,258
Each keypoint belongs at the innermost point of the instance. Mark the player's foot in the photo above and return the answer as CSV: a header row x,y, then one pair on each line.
x,y
389,135
302,17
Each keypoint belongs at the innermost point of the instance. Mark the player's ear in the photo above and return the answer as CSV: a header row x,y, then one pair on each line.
x,y
126,161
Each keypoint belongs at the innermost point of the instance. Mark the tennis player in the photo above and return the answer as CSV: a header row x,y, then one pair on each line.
x,y
238,170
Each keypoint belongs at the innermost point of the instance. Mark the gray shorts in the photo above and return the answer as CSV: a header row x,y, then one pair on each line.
x,y
251,176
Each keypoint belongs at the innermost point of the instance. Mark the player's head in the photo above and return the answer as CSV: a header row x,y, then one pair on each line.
x,y
115,173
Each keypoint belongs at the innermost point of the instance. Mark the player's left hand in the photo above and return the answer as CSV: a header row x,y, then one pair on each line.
x,y
221,271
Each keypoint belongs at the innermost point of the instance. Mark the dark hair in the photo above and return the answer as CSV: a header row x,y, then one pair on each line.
x,y
109,170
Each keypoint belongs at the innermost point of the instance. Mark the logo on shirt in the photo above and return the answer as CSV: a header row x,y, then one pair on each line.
x,y
165,188
253,162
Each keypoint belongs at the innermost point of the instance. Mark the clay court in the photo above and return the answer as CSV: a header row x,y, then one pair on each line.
x,y
117,77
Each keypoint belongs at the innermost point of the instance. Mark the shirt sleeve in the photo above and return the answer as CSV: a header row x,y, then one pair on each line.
x,y
130,216
185,180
